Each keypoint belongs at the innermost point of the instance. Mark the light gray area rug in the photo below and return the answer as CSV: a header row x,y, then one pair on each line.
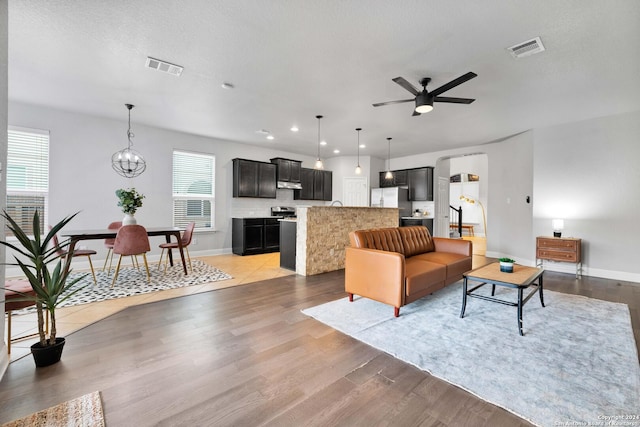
x,y
133,281
577,361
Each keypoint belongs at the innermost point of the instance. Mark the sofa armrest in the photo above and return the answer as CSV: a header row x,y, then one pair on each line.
x,y
375,274
455,246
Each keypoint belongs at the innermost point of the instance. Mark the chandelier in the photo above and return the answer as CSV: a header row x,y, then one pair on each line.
x,y
128,162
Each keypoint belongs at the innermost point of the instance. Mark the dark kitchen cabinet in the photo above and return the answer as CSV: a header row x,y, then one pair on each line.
x,y
250,236
288,232
287,170
316,185
420,183
254,179
399,179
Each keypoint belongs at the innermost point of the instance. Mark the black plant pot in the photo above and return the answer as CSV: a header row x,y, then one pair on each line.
x,y
45,356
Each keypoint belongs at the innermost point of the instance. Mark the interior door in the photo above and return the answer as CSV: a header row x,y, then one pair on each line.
x,y
355,191
441,202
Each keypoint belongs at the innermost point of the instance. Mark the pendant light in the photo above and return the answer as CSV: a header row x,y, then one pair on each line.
x,y
358,168
319,164
389,174
128,162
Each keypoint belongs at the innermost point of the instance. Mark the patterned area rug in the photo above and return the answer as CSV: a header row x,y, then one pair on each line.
x,y
85,411
577,363
132,281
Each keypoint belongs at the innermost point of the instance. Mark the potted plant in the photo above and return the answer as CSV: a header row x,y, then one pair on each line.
x,y
129,200
51,288
506,265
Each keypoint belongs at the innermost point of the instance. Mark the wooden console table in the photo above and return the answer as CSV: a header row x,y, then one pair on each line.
x,y
561,249
468,227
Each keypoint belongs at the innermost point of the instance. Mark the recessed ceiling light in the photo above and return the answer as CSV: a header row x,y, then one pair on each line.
x,y
323,142
263,132
226,85
336,151
363,146
270,137
294,128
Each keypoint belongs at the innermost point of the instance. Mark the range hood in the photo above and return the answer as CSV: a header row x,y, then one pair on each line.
x,y
289,185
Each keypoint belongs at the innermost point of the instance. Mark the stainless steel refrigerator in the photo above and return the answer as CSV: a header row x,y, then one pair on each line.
x,y
392,197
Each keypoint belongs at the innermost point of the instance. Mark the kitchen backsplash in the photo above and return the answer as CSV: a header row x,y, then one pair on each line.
x,y
246,207
428,207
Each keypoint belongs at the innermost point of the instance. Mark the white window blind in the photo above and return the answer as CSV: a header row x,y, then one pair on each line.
x,y
193,189
27,176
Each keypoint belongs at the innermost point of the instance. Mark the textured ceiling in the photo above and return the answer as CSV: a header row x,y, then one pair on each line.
x,y
291,60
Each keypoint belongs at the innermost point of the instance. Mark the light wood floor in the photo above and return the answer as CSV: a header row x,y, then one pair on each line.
x,y
246,356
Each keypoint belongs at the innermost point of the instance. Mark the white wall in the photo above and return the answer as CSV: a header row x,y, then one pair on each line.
x,y
587,173
4,50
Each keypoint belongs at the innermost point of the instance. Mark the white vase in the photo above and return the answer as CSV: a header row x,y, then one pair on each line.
x,y
129,219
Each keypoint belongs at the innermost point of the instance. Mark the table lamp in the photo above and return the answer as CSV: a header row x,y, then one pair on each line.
x,y
558,226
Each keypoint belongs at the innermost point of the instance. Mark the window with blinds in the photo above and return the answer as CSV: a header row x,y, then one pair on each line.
x,y
193,189
27,176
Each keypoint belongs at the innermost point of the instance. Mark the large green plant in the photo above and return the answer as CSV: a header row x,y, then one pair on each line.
x,y
129,200
35,254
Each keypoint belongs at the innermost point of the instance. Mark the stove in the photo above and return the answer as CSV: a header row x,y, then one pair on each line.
x,y
284,211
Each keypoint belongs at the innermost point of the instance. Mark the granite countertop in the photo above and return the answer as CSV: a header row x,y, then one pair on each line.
x,y
288,219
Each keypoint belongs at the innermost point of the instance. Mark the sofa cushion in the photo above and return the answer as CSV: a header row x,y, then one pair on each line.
x,y
456,264
416,240
384,239
421,275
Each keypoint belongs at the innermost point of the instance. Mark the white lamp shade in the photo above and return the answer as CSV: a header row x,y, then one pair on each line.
x,y
558,224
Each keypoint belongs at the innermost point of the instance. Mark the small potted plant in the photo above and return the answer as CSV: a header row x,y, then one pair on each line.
x,y
129,200
51,288
506,265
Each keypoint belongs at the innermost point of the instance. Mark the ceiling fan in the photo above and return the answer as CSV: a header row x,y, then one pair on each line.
x,y
424,99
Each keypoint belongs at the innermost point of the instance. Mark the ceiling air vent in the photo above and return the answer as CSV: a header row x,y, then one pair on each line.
x,y
164,66
527,48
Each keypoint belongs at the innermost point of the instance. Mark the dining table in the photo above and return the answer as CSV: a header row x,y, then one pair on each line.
x,y
76,236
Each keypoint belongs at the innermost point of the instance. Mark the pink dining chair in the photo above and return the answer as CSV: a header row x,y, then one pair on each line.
x,y
76,253
186,241
131,240
108,243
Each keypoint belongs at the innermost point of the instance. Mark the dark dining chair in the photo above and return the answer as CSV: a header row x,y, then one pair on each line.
x,y
186,241
108,243
131,240
76,253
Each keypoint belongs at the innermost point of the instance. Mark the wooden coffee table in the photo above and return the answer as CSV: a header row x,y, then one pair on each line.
x,y
521,278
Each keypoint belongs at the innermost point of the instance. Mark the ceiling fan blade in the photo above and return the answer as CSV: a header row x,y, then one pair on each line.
x,y
380,104
453,83
415,113
453,100
405,84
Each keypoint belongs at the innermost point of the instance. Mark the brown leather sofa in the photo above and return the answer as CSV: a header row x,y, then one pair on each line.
x,y
397,266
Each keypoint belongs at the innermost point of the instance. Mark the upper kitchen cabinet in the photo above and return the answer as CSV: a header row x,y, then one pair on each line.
x,y
420,183
254,179
316,185
287,170
400,179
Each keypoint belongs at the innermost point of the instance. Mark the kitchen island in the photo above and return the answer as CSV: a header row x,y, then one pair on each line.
x,y
322,234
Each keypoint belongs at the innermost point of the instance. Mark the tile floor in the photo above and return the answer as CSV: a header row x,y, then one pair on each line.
x,y
244,269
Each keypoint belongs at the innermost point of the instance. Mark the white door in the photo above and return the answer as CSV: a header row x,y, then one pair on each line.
x,y
442,208
355,191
